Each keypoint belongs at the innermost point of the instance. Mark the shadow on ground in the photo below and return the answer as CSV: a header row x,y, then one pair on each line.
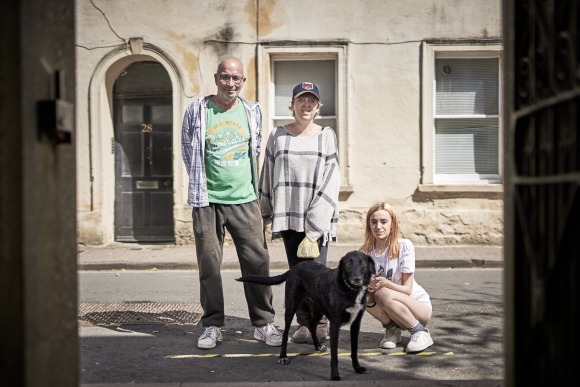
x,y
146,353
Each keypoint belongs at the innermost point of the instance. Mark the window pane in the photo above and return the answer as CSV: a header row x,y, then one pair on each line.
x,y
161,114
143,77
467,86
132,114
288,74
466,146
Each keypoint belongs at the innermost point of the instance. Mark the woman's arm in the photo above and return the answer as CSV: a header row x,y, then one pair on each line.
x,y
325,201
382,282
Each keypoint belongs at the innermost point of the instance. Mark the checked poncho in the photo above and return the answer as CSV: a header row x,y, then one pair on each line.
x,y
300,182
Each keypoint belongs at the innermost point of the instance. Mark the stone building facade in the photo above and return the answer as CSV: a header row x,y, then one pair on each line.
x,y
411,87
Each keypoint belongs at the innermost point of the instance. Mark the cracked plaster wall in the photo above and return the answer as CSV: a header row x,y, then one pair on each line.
x,y
383,104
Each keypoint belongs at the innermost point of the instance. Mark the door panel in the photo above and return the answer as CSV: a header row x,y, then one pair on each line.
x,y
132,204
132,156
161,204
143,169
161,154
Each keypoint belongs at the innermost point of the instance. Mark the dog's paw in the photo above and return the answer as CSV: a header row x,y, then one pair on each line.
x,y
361,370
321,348
335,378
284,361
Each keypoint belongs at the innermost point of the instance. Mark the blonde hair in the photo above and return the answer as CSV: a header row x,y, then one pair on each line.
x,y
392,239
319,106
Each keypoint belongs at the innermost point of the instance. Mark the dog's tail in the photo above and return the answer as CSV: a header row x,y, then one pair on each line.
x,y
263,280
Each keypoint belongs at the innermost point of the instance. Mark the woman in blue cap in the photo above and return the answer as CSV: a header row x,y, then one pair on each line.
x,y
299,187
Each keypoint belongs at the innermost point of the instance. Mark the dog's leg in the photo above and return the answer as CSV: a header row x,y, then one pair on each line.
x,y
354,331
316,317
291,304
334,332
288,316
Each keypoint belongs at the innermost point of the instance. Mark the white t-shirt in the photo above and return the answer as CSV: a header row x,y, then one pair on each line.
x,y
405,263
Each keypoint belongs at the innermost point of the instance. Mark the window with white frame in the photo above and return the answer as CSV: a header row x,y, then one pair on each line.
x,y
287,72
464,117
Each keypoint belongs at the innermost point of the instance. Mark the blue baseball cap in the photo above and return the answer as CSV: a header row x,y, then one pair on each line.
x,y
305,87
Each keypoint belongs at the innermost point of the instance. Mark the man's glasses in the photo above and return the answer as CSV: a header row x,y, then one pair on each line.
x,y
226,78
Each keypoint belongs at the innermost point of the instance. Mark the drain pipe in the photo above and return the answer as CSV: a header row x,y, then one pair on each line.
x,y
256,60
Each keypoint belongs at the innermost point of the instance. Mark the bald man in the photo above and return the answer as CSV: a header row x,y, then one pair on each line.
x,y
221,137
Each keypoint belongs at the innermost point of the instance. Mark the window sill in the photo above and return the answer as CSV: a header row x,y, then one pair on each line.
x,y
430,192
461,188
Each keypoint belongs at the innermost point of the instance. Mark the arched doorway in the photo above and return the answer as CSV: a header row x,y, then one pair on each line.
x,y
143,154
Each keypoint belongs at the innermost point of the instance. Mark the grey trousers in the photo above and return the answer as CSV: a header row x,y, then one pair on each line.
x,y
243,221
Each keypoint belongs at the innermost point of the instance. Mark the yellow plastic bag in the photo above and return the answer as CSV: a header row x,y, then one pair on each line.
x,y
308,249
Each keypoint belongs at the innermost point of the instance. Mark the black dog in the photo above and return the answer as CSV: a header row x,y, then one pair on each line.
x,y
339,294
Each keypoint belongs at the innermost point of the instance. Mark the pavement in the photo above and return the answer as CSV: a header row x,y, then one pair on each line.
x,y
131,256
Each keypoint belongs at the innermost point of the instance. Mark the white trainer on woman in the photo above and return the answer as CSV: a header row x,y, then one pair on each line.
x,y
419,341
391,338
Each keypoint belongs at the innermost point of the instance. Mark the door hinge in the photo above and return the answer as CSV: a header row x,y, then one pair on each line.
x,y
112,145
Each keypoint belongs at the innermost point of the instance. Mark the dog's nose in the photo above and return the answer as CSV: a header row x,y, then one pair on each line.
x,y
357,281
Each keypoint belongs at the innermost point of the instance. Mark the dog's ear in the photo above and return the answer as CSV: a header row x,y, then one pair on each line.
x,y
341,265
371,265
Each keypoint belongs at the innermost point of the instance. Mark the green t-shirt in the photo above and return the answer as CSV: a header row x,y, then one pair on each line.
x,y
227,156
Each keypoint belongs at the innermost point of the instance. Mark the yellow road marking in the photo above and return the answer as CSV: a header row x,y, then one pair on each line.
x,y
238,355
304,354
182,356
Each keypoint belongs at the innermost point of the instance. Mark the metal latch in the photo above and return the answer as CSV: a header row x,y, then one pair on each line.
x,y
55,117
56,120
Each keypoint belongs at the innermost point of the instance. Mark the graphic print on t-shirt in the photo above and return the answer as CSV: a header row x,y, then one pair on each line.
x,y
227,143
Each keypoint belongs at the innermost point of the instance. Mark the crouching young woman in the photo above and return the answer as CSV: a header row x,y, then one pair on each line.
x,y
395,299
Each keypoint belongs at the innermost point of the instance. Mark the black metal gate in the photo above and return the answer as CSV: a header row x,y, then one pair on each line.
x,y
542,191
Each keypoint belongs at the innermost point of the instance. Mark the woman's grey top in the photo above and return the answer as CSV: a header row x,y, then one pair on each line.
x,y
300,182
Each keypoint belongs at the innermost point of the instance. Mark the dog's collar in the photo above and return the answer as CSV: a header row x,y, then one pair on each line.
x,y
349,285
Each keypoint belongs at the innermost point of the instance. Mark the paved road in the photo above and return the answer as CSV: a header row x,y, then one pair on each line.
x,y
468,318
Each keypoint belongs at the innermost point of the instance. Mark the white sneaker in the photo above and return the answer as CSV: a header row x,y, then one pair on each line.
x,y
269,334
391,338
209,337
419,341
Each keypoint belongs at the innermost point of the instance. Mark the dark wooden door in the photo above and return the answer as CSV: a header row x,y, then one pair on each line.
x,y
143,169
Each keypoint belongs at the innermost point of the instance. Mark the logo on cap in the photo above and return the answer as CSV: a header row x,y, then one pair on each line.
x,y
307,85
